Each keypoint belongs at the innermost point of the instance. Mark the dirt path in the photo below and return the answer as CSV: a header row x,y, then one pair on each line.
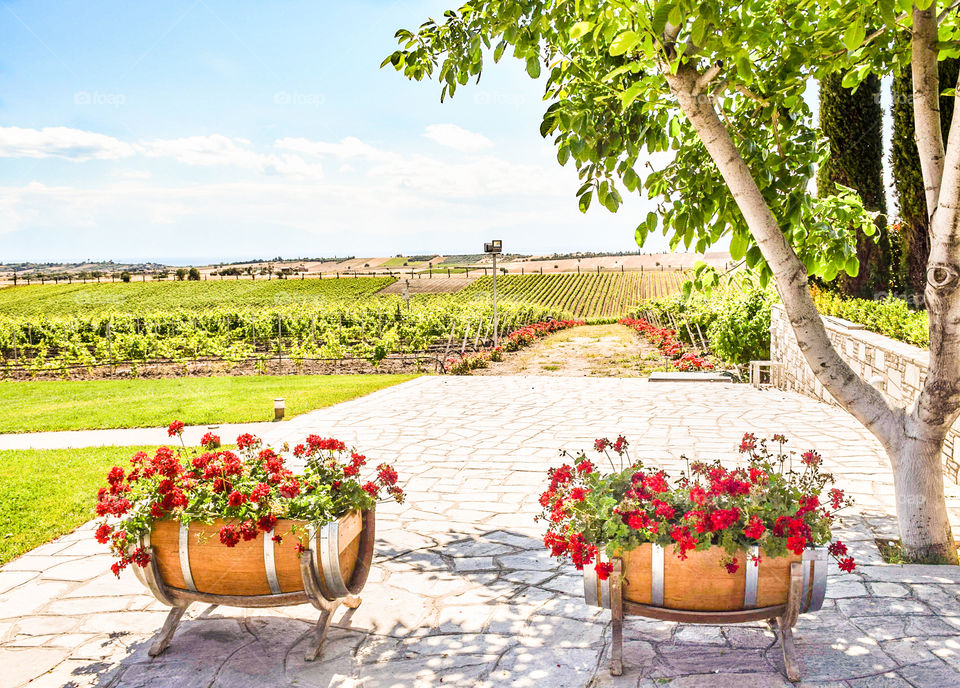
x,y
588,351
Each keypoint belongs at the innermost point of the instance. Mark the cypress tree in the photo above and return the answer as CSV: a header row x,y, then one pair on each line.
x,y
852,123
907,177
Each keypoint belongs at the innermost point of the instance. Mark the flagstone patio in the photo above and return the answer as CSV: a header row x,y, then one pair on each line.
x,y
463,593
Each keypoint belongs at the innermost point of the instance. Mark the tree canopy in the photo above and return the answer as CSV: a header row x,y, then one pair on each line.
x,y
608,101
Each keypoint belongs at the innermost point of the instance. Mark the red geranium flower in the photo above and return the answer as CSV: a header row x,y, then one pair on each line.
x,y
175,429
755,528
796,544
847,565
229,536
245,440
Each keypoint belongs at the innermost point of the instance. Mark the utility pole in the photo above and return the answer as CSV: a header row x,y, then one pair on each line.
x,y
493,248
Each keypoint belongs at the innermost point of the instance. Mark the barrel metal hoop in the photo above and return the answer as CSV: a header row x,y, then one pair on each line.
x,y
184,547
314,546
656,577
270,564
330,562
753,578
591,592
814,579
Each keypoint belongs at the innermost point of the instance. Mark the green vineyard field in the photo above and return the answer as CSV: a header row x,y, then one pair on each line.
x,y
586,295
150,297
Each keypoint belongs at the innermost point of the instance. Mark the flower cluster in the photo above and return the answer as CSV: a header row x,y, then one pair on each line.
x,y
462,365
766,501
250,489
518,339
668,344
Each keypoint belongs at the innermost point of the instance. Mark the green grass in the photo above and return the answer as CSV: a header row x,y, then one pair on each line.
x,y
82,405
49,492
144,297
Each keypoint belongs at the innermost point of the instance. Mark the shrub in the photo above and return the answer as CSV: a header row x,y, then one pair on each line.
x,y
890,317
741,331
735,319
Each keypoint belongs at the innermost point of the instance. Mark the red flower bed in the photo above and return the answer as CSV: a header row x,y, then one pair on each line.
x,y
671,347
518,339
251,490
767,501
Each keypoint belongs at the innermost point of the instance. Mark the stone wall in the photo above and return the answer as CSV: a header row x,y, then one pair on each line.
x,y
898,369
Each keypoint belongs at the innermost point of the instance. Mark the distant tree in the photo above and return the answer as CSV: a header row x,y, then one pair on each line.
x,y
181,274
193,275
852,123
124,276
914,225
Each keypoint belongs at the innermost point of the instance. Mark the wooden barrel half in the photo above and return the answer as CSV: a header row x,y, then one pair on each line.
x,y
193,559
655,576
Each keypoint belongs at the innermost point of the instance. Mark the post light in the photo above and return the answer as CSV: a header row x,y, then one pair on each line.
x,y
278,408
493,248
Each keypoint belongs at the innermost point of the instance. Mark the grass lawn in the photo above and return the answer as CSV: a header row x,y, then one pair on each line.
x,y
82,405
49,492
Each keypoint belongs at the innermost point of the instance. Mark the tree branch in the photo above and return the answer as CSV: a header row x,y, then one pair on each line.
x,y
926,103
867,404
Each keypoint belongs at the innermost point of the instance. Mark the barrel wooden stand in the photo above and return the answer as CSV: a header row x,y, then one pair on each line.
x,y
805,592
323,586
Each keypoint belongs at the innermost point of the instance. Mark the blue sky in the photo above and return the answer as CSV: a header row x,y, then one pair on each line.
x,y
199,130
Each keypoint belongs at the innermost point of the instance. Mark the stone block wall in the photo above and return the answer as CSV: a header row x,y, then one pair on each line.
x,y
898,369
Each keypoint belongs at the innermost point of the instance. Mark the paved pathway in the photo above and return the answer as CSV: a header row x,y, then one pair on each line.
x,y
122,437
463,593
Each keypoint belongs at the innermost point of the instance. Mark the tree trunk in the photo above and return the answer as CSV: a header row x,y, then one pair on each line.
x,y
925,533
913,440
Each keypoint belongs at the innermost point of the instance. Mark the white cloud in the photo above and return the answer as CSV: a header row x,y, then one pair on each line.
x,y
216,150
458,138
348,148
61,142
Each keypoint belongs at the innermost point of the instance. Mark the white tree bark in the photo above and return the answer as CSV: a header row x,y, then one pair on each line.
x,y
911,443
926,102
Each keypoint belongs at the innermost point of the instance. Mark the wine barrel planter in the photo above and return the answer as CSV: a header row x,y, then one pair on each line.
x,y
188,564
651,581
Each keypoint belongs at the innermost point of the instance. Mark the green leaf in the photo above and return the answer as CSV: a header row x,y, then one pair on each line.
x,y
676,16
698,30
854,35
623,43
580,29
584,202
631,94
533,66
738,246
852,266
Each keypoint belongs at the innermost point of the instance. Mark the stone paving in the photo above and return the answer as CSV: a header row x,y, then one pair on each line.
x,y
463,593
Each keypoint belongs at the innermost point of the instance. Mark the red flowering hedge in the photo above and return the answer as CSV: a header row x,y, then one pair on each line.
x,y
666,340
516,340
773,500
251,489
